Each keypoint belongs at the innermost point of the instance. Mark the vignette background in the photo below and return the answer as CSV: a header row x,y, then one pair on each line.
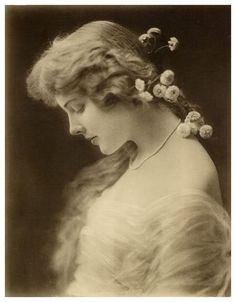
x,y
41,156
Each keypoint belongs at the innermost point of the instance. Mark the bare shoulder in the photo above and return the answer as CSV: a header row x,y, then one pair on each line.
x,y
197,169
194,159
186,164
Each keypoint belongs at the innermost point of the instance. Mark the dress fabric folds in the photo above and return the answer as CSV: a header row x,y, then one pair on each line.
x,y
177,245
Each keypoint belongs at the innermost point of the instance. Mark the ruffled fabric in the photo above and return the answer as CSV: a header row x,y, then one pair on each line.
x,y
178,245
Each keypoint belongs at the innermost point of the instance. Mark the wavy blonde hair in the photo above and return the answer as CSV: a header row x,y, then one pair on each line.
x,y
102,60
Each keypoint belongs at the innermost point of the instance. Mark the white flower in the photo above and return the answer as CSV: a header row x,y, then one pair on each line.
x,y
146,96
139,85
194,128
173,43
144,38
192,116
184,130
159,90
172,93
154,30
206,131
167,77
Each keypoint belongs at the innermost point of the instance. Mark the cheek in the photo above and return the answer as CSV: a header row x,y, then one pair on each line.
x,y
91,121
114,134
113,126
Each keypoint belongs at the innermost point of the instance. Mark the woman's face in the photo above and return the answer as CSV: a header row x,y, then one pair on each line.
x,y
111,128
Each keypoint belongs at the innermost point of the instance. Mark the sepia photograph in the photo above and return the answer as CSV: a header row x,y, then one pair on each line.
x,y
118,151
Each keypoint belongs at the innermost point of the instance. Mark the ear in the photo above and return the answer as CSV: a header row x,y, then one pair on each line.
x,y
137,103
139,106
110,100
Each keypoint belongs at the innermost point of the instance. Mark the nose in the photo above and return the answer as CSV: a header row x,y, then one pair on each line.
x,y
76,131
75,127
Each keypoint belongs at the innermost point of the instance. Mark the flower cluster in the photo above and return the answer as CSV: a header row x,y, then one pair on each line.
x,y
193,124
150,38
164,89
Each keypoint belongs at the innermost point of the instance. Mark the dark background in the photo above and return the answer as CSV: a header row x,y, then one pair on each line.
x,y
41,156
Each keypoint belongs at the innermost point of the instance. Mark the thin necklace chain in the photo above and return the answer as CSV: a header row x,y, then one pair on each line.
x,y
131,167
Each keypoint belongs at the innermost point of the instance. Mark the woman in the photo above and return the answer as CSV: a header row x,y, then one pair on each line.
x,y
146,220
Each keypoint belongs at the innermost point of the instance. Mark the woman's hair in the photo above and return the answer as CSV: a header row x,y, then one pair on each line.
x,y
100,60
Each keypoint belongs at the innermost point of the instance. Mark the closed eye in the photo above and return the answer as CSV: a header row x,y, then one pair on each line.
x,y
79,108
75,106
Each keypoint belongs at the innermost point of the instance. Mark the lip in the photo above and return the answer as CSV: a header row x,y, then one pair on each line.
x,y
89,137
94,141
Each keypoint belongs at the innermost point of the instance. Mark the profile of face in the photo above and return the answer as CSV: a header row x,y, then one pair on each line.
x,y
111,128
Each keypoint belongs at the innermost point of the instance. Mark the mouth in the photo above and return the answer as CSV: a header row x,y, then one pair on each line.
x,y
93,140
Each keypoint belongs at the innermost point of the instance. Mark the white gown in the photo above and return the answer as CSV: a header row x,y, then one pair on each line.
x,y
177,245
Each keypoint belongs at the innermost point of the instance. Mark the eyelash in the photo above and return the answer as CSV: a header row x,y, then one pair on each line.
x,y
79,110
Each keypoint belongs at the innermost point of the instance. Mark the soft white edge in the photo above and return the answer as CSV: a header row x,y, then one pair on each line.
x,y
2,133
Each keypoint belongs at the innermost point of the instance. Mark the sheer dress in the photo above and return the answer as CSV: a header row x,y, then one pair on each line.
x,y
176,245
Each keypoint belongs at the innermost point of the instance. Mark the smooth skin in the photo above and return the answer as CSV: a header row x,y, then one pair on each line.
x,y
182,163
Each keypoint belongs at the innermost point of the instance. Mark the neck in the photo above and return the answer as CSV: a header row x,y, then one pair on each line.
x,y
152,128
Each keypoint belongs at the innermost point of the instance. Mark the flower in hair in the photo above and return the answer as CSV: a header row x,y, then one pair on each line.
x,y
193,116
194,128
154,31
195,122
159,90
184,130
139,85
172,94
151,41
206,131
167,77
195,119
173,43
146,96
144,39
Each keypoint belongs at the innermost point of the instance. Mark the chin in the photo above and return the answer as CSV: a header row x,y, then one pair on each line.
x,y
108,150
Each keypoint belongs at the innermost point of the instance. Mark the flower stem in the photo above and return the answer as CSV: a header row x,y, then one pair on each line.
x,y
161,48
